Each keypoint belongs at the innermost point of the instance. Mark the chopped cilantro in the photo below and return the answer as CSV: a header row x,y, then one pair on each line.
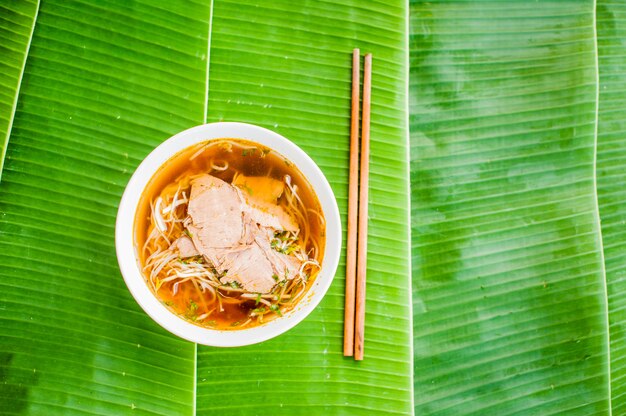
x,y
192,309
276,309
258,310
234,285
275,277
219,274
258,299
285,242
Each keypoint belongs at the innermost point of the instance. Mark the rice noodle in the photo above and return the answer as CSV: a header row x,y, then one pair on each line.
x,y
175,204
156,214
198,153
312,262
218,167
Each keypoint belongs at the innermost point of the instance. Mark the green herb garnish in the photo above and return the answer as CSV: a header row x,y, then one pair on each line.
x,y
284,242
258,299
219,274
276,309
192,309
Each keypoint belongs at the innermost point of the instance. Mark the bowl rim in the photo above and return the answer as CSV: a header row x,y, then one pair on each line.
x,y
128,259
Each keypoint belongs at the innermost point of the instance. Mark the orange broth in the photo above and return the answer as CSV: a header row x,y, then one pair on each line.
x,y
250,159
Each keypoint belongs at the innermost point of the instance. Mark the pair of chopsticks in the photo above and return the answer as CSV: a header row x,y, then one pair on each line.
x,y
354,320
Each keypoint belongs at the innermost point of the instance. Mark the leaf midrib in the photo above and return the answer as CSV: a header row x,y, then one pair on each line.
x,y
3,148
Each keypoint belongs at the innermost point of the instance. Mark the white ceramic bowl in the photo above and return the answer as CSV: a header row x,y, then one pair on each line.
x,y
127,252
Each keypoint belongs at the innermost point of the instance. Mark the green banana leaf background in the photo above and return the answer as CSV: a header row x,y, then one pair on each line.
x,y
496,269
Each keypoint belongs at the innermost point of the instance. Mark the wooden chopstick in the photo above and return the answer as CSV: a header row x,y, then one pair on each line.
x,y
348,322
359,327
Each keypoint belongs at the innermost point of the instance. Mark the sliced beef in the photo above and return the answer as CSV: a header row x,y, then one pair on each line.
x,y
185,247
233,230
215,210
250,268
266,214
284,265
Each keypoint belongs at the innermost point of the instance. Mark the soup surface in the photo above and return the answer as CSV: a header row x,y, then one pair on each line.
x,y
229,234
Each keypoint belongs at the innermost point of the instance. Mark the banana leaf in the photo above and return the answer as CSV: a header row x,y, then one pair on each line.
x,y
517,284
105,82
297,82
611,175
100,88
509,289
16,28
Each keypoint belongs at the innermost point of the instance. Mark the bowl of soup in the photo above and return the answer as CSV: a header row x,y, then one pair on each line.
x,y
228,234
